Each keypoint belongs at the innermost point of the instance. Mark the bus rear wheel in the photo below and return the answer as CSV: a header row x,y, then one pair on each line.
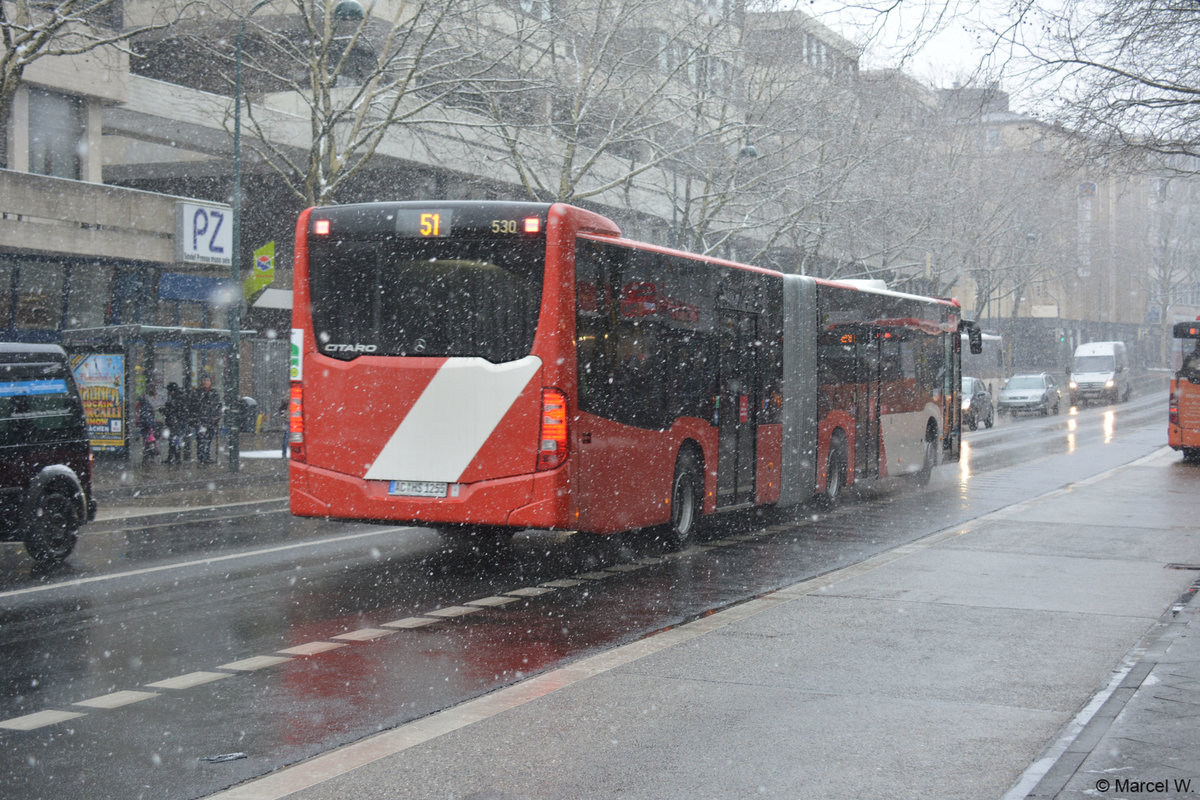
x,y
685,501
835,474
930,459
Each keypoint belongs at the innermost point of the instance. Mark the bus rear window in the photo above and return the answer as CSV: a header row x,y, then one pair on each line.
x,y
442,297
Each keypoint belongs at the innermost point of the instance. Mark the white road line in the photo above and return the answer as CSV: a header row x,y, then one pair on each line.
x,y
200,562
312,648
254,663
409,622
189,680
452,611
39,719
363,635
530,591
199,678
116,699
490,602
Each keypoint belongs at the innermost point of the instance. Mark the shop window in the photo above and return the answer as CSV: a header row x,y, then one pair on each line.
x,y
191,315
87,300
55,134
168,313
129,296
40,296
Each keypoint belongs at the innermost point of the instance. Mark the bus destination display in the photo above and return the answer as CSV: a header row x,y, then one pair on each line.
x,y
432,224
425,224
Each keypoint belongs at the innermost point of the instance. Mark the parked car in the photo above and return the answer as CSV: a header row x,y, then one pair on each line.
x,y
45,455
977,404
1031,392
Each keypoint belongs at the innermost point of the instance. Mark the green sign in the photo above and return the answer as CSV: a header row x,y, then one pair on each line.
x,y
296,370
262,274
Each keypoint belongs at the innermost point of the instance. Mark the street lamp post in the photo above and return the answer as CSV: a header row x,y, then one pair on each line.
x,y
348,10
233,399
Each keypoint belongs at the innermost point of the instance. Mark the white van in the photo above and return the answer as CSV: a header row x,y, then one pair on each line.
x,y
1100,372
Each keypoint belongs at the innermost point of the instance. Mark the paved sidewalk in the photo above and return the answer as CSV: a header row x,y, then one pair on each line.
x,y
1144,738
128,488
1042,648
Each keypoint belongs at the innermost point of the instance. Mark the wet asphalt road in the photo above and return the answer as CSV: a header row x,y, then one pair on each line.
x,y
267,639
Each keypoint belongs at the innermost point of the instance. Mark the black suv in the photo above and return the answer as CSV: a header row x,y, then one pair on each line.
x,y
45,457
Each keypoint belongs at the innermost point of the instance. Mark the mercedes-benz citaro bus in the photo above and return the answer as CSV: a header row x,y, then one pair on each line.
x,y
486,367
1183,421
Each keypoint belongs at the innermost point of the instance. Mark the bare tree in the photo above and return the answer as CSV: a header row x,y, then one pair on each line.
x,y
1173,246
1122,72
332,90
770,184
31,31
596,98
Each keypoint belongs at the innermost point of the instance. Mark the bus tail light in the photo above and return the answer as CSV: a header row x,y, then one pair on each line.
x,y
1173,410
296,423
552,440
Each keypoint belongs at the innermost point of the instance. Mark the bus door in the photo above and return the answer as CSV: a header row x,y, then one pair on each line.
x,y
867,405
737,403
951,394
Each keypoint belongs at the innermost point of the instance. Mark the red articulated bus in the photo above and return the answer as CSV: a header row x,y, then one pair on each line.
x,y
485,367
1183,416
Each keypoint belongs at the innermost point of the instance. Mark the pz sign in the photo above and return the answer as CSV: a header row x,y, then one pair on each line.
x,y
203,233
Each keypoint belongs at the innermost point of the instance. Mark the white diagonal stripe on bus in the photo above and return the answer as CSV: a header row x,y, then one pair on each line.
x,y
452,419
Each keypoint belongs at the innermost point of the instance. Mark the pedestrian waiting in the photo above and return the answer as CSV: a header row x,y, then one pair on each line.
x,y
176,421
206,406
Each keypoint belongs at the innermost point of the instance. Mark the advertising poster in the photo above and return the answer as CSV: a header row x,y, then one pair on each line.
x,y
101,380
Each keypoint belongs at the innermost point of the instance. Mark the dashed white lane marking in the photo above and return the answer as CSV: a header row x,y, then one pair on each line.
x,y
491,602
593,576
363,635
116,699
453,611
39,719
254,663
409,622
530,591
311,648
189,680
199,678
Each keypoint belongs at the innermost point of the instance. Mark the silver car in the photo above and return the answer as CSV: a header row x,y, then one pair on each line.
x,y
1036,392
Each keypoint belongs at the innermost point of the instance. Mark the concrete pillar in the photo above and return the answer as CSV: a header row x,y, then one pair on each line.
x,y
18,141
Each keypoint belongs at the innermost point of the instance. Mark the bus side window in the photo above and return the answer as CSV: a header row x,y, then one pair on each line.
x,y
1191,365
593,330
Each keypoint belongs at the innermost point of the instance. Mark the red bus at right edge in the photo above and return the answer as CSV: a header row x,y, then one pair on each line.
x,y
1183,415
